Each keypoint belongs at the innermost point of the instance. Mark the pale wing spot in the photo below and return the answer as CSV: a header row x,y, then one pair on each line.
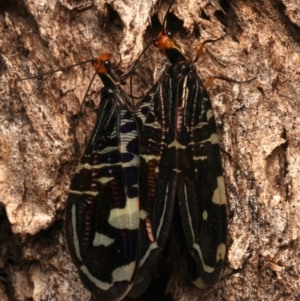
x,y
75,237
177,145
155,125
105,180
195,158
124,273
88,192
143,214
177,170
219,197
147,158
133,162
102,240
214,138
222,190
200,284
146,104
107,150
221,251
216,197
200,125
209,114
204,215
125,218
96,166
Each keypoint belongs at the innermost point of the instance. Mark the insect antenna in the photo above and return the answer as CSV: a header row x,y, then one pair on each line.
x,y
149,44
39,76
53,71
116,66
165,18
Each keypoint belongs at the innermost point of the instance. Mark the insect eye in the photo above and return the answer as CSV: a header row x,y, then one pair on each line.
x,y
170,34
107,64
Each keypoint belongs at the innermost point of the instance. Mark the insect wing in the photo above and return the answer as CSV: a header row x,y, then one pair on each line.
x,y
201,226
181,172
102,213
156,187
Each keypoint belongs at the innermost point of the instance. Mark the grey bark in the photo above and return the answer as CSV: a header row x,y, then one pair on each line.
x,y
258,126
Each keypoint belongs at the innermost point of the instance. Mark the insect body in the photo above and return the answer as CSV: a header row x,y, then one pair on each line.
x,y
181,182
102,211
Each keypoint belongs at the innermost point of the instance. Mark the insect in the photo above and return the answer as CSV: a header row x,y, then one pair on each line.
x,y
102,210
144,173
181,184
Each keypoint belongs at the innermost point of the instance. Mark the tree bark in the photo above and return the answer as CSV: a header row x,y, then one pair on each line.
x,y
258,126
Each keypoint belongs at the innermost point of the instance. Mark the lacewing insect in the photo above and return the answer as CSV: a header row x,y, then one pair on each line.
x,y
144,173
181,182
102,211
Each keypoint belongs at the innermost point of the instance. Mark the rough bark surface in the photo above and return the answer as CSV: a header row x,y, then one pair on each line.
x,y
258,123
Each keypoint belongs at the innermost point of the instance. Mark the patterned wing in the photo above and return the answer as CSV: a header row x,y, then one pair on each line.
x,y
102,212
156,187
201,191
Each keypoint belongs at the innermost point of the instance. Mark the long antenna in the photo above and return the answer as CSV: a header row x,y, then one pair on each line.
x,y
165,18
148,45
136,61
50,72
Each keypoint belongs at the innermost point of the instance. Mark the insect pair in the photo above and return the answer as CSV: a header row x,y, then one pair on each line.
x,y
146,172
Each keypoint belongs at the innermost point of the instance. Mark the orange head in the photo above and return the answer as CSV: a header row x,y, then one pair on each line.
x,y
164,41
166,44
102,63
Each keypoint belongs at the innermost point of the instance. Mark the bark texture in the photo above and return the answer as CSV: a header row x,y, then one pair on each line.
x,y
258,122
